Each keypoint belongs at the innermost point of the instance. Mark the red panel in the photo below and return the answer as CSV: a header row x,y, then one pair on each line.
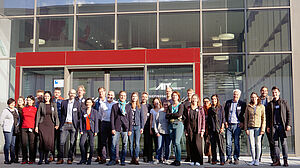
x,y
186,55
40,58
197,78
106,57
17,82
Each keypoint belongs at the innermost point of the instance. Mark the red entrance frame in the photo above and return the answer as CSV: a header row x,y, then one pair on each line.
x,y
109,57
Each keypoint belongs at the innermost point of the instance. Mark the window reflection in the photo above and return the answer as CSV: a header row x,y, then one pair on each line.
x,y
16,7
269,3
210,4
179,4
136,5
95,6
45,7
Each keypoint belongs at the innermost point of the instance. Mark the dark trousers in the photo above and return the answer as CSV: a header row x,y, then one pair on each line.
x,y
217,139
195,142
188,152
148,144
83,150
56,142
65,131
28,138
18,146
106,139
279,134
100,151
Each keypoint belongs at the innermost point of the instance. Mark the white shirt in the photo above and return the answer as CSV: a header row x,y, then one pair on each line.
x,y
105,110
154,113
70,111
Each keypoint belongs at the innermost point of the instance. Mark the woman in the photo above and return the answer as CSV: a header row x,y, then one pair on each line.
x,y
194,126
88,129
215,127
161,127
9,121
153,117
28,136
255,124
20,106
207,145
137,127
46,121
175,117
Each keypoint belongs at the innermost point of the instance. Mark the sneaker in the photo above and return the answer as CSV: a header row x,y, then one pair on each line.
x,y
251,163
156,162
256,163
197,164
228,161
192,164
236,161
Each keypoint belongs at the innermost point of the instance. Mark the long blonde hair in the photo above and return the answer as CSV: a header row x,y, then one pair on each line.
x,y
138,99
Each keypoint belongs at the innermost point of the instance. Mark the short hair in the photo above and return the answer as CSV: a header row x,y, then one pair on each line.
x,y
10,100
39,91
101,88
169,87
275,87
81,86
205,98
90,100
145,93
263,88
237,90
157,98
176,92
258,99
122,92
190,89
48,92
57,88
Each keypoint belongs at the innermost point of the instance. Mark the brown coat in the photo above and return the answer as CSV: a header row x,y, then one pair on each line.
x,y
255,120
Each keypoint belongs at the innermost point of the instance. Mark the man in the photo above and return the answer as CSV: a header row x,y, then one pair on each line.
x,y
98,102
57,99
265,99
187,103
168,97
106,136
234,122
39,97
207,146
69,124
121,123
279,120
80,95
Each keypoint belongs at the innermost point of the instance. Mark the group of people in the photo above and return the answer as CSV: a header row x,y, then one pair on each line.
x,y
46,121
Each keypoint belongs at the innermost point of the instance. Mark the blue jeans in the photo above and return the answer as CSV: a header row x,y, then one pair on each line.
x,y
134,138
176,131
115,140
9,145
163,146
233,132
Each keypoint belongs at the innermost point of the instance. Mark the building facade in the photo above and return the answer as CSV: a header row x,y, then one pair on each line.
x,y
213,46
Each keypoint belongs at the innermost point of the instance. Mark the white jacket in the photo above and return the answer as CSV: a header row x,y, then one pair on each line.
x,y
7,120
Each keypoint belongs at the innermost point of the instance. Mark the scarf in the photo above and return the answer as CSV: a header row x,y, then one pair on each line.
x,y
175,109
122,107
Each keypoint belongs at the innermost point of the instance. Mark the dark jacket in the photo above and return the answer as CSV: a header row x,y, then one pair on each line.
x,y
178,115
93,121
118,120
200,120
240,111
76,113
81,102
58,104
41,113
146,108
139,116
215,119
285,112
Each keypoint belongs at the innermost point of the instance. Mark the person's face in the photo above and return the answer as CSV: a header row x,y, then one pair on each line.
x,y
80,92
134,98
89,103
190,94
57,93
144,98
30,102
276,93
165,106
264,92
206,102
214,100
156,103
236,96
122,96
101,93
12,105
20,102
254,98
39,95
175,97
168,92
110,96
72,94
47,97
195,100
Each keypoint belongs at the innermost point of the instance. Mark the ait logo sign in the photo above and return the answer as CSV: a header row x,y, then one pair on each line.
x,y
163,86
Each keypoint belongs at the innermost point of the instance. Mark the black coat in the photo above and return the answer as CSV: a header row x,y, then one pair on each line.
x,y
240,111
93,121
76,113
118,120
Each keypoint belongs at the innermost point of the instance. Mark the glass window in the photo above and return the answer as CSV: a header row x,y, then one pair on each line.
x,y
95,6
36,78
269,3
178,4
16,35
269,30
223,31
210,4
136,5
12,78
55,34
178,77
136,31
46,7
273,70
95,32
16,7
6,80
173,30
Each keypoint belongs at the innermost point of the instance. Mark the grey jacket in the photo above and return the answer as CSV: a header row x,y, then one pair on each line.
x,y
41,113
161,124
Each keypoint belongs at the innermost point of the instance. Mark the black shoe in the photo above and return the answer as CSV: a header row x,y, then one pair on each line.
x,y
187,160
47,161
89,162
173,163
110,163
40,162
7,162
177,163
123,163
81,162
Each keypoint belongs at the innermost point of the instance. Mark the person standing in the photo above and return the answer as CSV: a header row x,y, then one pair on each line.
x,y
215,128
69,124
194,126
186,104
279,119
9,121
27,131
20,105
234,116
137,127
168,97
39,97
255,123
88,129
207,145
46,121
121,123
175,117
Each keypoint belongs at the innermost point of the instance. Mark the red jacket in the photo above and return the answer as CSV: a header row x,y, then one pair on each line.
x,y
29,113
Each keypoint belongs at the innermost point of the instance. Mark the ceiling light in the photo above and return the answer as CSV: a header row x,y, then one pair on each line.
x,y
138,48
215,38
217,44
165,39
221,58
41,41
226,36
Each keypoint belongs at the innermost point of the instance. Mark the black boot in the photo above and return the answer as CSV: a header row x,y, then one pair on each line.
x,y
285,164
41,158
46,158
